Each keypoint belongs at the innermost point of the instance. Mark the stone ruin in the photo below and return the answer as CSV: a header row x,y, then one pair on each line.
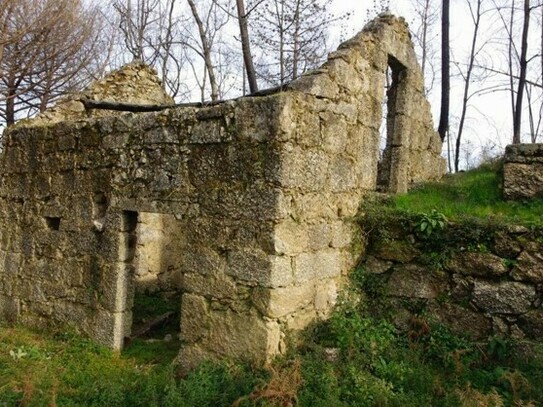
x,y
244,209
523,171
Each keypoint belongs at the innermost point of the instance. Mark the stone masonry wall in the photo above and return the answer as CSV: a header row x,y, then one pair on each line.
x,y
258,194
523,171
159,246
479,280
349,87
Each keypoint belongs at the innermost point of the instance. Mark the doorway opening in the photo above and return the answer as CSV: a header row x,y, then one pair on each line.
x,y
156,283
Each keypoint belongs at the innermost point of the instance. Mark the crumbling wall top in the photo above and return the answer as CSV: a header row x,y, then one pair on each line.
x,y
134,83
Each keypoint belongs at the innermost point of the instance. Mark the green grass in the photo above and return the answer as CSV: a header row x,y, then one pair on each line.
x,y
371,365
148,306
428,366
63,369
476,193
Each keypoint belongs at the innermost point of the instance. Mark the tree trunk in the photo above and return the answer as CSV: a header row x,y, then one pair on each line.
x,y
281,26
522,76
425,35
443,128
10,106
206,51
246,47
466,96
296,49
510,59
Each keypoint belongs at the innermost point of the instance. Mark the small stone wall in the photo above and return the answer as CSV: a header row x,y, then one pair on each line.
x,y
257,197
480,281
523,171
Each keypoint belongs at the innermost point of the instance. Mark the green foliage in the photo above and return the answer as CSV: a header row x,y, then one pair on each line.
x,y
63,369
357,335
510,263
374,290
428,365
475,193
499,347
372,365
428,223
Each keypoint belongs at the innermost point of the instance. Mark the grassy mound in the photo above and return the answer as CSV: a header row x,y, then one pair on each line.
x,y
475,193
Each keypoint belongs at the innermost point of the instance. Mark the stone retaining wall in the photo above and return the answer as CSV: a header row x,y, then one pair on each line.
x,y
479,281
258,194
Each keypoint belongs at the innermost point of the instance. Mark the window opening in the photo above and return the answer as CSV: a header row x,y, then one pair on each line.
x,y
52,222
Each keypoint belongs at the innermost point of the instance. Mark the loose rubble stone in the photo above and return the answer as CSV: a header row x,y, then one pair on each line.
x,y
376,266
396,250
506,246
504,298
477,264
531,324
462,321
414,282
529,266
134,83
523,171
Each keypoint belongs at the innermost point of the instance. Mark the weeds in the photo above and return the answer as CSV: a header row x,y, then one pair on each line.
x,y
280,390
429,223
475,193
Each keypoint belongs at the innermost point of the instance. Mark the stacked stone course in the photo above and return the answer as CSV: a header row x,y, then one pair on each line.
x,y
480,291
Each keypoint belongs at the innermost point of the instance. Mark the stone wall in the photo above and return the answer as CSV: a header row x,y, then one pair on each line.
x,y
248,204
350,88
523,171
160,243
480,280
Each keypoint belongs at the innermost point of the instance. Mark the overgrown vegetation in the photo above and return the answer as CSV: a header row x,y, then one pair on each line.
x,y
354,359
62,369
357,358
475,193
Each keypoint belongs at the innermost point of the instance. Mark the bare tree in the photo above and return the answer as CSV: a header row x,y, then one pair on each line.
x,y
476,14
150,33
50,58
536,118
5,35
522,76
378,7
210,57
426,16
138,24
243,16
206,50
443,128
291,35
518,65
